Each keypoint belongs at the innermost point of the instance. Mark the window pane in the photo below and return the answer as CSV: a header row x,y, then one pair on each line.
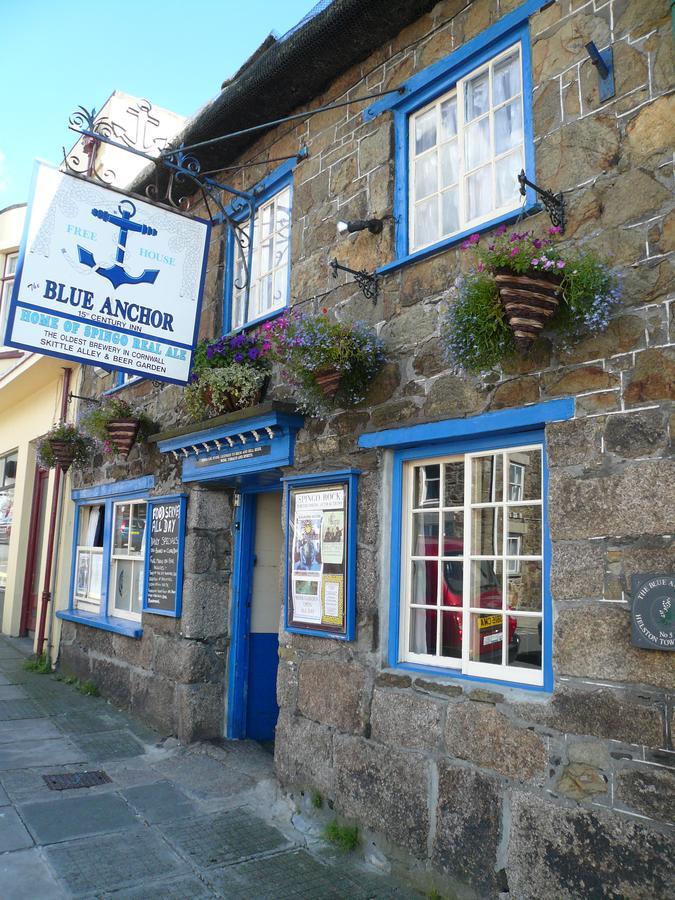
x,y
426,222
266,256
486,479
96,575
450,211
530,461
426,179
479,193
121,528
524,587
425,534
486,536
267,220
121,584
425,131
453,533
477,143
454,484
427,485
508,127
452,589
525,642
138,527
506,179
280,287
423,589
486,584
525,522
137,588
449,164
506,79
486,638
451,634
476,95
423,631
449,118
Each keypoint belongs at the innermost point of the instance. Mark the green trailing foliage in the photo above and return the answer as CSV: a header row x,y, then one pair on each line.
x,y
41,665
113,410
82,443
344,837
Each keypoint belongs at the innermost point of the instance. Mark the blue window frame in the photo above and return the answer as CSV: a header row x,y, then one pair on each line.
x,y
468,600
107,538
270,278
320,570
446,187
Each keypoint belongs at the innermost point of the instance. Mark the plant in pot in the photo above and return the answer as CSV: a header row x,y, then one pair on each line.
x,y
118,425
65,445
228,374
521,283
329,363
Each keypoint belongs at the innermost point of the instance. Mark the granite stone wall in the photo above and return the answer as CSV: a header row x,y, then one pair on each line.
x,y
567,795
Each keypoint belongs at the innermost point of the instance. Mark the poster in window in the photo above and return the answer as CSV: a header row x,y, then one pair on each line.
x,y
317,568
82,573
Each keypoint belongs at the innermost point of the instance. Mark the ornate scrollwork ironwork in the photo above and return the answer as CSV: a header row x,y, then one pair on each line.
x,y
367,282
90,126
554,204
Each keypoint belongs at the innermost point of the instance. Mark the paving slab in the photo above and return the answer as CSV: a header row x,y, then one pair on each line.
x,y
13,834
12,692
4,798
28,730
109,745
89,721
24,875
73,817
160,802
20,709
26,785
55,752
202,777
188,888
224,837
113,861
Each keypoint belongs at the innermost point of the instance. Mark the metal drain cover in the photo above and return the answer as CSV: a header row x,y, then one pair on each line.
x,y
75,780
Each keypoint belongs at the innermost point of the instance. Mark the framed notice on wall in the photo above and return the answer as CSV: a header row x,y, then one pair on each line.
x,y
321,554
164,560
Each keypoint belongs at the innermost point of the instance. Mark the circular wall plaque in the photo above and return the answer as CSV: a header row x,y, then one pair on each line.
x,y
653,612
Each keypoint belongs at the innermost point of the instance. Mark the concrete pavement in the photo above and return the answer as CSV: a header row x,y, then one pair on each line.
x,y
171,822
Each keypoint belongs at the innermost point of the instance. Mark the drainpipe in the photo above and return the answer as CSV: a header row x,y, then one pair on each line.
x,y
46,589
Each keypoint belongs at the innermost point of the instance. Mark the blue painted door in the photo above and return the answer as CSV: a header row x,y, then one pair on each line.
x,y
263,659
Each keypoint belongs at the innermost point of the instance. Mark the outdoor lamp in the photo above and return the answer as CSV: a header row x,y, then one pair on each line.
x,y
374,226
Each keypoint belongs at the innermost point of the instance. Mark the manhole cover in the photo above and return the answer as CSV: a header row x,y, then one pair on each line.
x,y
75,780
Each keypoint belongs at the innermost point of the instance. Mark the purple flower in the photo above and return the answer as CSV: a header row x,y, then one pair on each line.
x,y
534,262
501,229
473,239
536,243
253,353
561,263
515,251
238,357
209,352
555,229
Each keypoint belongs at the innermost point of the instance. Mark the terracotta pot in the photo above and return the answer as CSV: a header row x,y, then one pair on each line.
x,y
529,301
328,381
64,453
122,434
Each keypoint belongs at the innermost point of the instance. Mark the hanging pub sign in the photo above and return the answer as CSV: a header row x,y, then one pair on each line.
x,y
321,555
653,611
164,559
107,279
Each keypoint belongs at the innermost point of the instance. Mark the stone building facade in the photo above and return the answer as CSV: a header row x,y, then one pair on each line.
x,y
485,787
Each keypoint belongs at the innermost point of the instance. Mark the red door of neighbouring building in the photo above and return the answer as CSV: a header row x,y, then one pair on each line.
x,y
31,584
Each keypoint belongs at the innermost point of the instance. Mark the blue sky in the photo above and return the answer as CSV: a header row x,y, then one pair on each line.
x,y
56,57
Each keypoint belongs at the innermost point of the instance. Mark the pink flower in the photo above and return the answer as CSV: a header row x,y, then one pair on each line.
x,y
501,229
536,243
266,346
534,262
561,263
555,229
267,326
480,267
515,251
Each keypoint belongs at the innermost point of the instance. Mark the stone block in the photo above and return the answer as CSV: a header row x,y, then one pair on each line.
x,y
468,828
576,381
199,553
287,684
515,392
634,197
583,149
637,17
385,789
593,641
74,661
648,791
430,359
205,604
180,659
621,335
579,781
636,499
406,720
384,385
484,736
599,712
390,679
578,570
645,555
375,149
546,107
590,753
303,753
199,711
567,853
607,401
450,395
208,509
562,45
652,379
394,411
95,640
152,699
577,442
333,693
642,433
435,687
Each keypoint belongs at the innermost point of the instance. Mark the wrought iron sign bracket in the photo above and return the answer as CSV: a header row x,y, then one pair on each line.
x,y
367,282
72,396
553,203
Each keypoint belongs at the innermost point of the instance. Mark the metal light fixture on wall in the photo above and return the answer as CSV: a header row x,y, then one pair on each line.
x,y
374,226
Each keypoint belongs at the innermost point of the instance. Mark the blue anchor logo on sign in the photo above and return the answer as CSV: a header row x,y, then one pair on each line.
x,y
117,274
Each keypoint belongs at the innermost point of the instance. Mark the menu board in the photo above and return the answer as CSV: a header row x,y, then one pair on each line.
x,y
318,558
164,567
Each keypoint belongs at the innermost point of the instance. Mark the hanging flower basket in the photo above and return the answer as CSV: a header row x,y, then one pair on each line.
x,y
64,454
529,301
328,381
65,446
122,434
